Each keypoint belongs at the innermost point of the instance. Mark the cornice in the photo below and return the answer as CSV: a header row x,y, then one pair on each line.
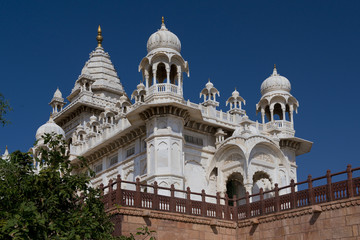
x,y
178,217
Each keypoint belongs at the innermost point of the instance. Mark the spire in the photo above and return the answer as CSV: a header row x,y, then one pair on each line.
x,y
274,71
163,27
99,37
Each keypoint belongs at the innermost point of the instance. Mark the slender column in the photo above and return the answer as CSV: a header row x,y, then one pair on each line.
x,y
272,114
291,113
263,115
284,115
179,79
146,80
167,74
154,76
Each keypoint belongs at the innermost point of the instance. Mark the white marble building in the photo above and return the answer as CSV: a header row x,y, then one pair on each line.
x,y
156,135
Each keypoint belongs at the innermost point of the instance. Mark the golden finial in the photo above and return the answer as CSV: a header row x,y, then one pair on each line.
x,y
274,66
162,20
209,80
99,37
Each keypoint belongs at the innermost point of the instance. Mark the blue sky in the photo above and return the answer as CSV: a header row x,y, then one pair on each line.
x,y
315,44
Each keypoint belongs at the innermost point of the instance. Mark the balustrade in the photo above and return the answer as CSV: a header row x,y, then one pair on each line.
x,y
225,208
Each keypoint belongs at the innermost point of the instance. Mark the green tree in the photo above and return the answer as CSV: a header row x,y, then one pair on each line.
x,y
50,203
4,108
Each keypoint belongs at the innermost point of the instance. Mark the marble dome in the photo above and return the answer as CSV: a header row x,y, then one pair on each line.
x,y
275,83
49,127
163,38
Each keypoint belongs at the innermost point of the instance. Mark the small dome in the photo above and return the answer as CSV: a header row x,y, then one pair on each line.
x,y
57,94
209,84
274,83
49,127
93,118
235,93
163,38
140,86
123,98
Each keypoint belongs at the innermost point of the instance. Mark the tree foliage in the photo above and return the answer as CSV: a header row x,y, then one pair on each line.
x,y
50,203
4,108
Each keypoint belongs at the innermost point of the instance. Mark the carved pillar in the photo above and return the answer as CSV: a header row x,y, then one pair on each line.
x,y
146,80
179,79
262,115
272,114
167,74
283,113
292,114
154,75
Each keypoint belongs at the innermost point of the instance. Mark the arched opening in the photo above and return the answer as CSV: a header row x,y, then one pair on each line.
x,y
235,187
58,108
262,180
267,113
124,109
94,129
142,98
278,113
87,86
173,74
109,119
161,73
81,137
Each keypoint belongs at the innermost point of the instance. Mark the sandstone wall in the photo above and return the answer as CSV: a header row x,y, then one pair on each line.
x,y
334,220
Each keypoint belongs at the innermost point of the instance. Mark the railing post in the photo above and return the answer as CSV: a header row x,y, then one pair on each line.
x,y
102,194
262,203
137,200
203,205
277,198
188,201
235,209
310,191
350,188
156,197
292,196
247,199
118,196
227,214
218,206
329,195
110,193
172,203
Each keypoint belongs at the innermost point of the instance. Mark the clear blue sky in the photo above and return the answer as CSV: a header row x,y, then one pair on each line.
x,y
315,44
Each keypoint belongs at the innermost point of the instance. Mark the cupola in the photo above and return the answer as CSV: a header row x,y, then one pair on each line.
x,y
276,101
163,66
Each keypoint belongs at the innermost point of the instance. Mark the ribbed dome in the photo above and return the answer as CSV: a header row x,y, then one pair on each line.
x,y
163,38
49,127
274,83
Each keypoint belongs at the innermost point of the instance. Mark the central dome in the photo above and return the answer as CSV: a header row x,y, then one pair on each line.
x,y
275,83
163,38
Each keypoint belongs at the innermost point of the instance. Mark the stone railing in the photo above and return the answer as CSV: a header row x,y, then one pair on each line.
x,y
279,124
164,87
154,197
